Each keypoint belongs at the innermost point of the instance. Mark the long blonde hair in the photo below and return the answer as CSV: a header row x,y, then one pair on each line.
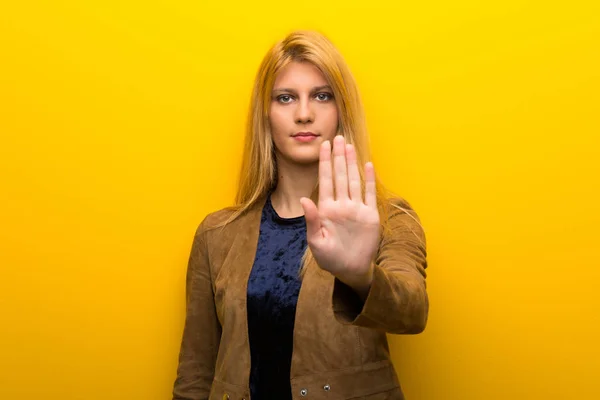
x,y
258,172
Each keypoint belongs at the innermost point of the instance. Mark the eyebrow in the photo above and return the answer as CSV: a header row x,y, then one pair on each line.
x,y
315,89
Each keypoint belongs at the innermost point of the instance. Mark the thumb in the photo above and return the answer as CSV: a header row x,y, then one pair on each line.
x,y
311,214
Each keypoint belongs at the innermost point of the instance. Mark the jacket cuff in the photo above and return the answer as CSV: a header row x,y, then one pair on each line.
x,y
349,308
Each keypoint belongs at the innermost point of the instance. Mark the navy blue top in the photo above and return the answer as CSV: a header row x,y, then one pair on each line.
x,y
273,289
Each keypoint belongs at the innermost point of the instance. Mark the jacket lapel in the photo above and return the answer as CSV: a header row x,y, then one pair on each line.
x,y
244,252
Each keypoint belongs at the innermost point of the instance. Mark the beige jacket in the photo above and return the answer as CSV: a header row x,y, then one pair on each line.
x,y
340,348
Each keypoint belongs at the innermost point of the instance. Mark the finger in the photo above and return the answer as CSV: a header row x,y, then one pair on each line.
x,y
353,174
370,189
339,166
325,179
313,223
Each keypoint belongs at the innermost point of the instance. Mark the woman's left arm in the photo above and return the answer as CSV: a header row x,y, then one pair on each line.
x,y
396,299
379,280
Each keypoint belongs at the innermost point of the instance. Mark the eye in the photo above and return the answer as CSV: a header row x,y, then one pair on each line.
x,y
284,98
324,96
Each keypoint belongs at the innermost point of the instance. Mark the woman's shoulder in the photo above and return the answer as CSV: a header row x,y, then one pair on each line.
x,y
402,218
396,205
217,217
230,218
214,219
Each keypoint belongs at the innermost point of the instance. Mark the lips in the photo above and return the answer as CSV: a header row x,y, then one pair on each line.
x,y
304,134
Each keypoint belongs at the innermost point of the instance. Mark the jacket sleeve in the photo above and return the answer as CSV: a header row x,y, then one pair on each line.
x,y
202,330
397,300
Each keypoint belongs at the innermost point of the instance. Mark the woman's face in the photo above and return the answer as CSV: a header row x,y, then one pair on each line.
x,y
303,113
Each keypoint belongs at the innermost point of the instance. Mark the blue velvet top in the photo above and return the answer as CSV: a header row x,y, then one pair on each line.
x,y
273,289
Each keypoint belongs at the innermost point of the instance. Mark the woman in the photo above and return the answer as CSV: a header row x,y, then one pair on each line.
x,y
291,292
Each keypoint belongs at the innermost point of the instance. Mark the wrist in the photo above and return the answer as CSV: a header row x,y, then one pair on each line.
x,y
361,284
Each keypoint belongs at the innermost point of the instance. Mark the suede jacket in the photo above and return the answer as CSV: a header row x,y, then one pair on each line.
x,y
340,348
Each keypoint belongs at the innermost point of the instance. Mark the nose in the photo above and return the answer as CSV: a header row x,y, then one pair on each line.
x,y
304,112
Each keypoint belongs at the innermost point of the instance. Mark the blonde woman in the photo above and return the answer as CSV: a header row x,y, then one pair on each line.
x,y
290,293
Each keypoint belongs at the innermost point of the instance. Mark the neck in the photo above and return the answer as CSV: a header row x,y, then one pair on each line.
x,y
294,181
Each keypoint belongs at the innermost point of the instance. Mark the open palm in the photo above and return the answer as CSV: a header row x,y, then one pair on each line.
x,y
343,231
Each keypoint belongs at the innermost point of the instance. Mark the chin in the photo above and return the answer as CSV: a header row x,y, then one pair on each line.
x,y
303,157
306,161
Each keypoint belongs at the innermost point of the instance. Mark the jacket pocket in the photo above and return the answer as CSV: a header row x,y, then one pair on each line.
x,y
372,381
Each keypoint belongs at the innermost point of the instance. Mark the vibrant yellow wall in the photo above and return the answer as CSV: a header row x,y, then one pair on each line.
x,y
121,127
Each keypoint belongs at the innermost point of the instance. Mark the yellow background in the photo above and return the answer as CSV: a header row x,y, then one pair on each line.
x,y
121,127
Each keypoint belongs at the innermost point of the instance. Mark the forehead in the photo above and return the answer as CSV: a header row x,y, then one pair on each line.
x,y
299,74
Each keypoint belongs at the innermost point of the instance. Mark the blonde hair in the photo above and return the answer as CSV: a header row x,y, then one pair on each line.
x,y
258,172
